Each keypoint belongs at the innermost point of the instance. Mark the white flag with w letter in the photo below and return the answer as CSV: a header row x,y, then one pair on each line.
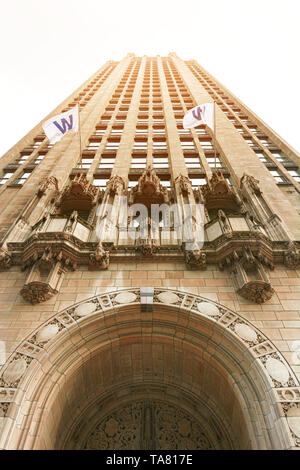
x,y
202,114
58,126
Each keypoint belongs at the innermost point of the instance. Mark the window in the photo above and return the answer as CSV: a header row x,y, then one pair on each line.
x,y
214,162
206,144
161,162
262,157
39,158
278,176
138,162
295,174
21,180
131,184
22,159
100,182
107,162
192,162
85,163
5,178
198,182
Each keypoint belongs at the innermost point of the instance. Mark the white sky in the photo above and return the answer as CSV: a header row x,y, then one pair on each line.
x,y
50,47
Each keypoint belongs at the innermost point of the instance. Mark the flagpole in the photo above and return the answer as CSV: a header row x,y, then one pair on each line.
x,y
215,135
79,130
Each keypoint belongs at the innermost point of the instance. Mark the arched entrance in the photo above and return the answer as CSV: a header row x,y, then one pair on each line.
x,y
191,374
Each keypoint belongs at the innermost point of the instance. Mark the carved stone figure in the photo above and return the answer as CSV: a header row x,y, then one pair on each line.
x,y
252,183
184,184
292,256
195,259
5,259
224,222
80,194
218,193
46,184
100,258
149,189
115,185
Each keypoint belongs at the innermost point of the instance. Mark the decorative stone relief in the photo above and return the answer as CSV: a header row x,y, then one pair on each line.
x,y
293,418
115,185
285,384
148,425
46,184
168,297
80,194
195,259
218,193
85,309
99,259
184,185
148,190
125,298
47,333
208,309
14,371
245,332
5,259
292,256
277,370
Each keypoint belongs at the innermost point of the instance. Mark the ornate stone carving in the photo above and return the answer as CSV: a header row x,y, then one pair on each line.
x,y
71,222
292,256
14,371
218,193
5,259
46,184
224,222
184,185
125,297
37,292
99,259
208,308
149,425
195,259
80,194
46,274
47,333
149,190
147,247
252,183
168,297
250,278
115,185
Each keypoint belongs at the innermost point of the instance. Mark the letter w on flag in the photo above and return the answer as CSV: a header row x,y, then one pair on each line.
x,y
56,127
202,114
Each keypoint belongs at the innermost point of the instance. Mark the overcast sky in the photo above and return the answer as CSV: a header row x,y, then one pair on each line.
x,y
50,47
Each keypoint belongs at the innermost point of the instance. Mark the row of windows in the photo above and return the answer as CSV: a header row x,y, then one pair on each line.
x,y
263,141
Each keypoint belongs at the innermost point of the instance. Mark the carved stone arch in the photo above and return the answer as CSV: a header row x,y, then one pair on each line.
x,y
227,382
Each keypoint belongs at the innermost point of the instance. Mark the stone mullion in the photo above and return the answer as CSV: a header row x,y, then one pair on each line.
x,y
253,136
123,158
176,158
150,122
65,156
13,153
98,154
203,159
238,156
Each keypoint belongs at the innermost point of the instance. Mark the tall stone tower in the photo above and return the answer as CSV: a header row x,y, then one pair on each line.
x,y
117,332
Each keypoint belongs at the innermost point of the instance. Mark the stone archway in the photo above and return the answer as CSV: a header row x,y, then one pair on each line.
x,y
189,374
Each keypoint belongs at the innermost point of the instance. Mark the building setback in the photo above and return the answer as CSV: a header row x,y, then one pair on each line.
x,y
117,329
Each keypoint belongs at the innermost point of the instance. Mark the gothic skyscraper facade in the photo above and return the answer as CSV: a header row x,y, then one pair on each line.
x,y
120,328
